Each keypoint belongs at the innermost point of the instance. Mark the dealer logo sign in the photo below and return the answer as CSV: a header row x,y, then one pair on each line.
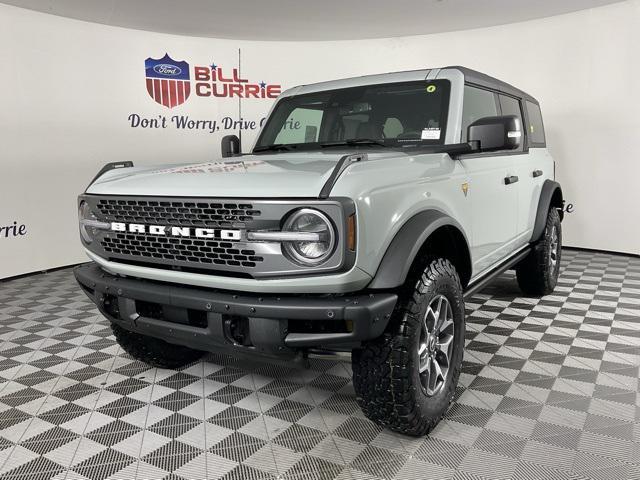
x,y
169,82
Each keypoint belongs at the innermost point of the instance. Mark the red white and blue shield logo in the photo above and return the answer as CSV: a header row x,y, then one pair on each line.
x,y
167,80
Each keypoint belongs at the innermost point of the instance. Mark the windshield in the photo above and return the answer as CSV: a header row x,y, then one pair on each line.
x,y
390,114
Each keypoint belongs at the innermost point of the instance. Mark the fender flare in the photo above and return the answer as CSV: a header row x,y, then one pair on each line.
x,y
406,244
550,188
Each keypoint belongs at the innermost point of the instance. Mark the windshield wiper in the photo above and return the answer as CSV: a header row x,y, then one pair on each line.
x,y
273,148
354,141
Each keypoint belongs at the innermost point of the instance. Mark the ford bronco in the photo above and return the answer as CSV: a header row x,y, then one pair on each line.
x,y
366,211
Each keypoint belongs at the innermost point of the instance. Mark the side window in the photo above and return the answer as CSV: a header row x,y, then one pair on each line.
x,y
511,106
302,126
477,103
536,128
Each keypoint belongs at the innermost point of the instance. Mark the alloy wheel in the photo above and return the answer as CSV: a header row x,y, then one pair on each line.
x,y
553,250
435,348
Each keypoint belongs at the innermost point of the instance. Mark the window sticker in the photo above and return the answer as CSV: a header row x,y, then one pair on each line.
x,y
431,88
430,134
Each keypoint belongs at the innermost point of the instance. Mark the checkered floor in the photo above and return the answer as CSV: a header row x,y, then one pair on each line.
x,y
549,390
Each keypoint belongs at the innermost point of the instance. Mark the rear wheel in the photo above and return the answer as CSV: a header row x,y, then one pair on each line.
x,y
153,351
538,273
406,379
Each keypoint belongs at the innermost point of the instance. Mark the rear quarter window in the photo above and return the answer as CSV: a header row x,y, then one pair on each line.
x,y
536,127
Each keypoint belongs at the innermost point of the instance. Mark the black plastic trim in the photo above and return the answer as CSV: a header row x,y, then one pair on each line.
x,y
368,312
549,187
511,179
340,167
402,251
107,167
494,273
499,153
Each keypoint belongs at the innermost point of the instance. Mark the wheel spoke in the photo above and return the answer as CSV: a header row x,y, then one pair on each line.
x,y
433,378
422,349
448,322
425,327
438,373
438,314
553,247
444,346
425,367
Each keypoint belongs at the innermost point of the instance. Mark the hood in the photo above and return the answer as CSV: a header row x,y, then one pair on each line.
x,y
286,175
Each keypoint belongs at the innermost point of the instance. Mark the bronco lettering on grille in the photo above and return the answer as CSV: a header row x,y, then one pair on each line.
x,y
176,231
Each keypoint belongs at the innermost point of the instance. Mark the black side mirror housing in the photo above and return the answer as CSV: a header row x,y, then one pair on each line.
x,y
496,133
230,146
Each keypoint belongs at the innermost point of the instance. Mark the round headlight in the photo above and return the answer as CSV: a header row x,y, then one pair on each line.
x,y
317,250
85,217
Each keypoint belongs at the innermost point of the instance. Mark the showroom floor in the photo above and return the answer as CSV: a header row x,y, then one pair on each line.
x,y
549,389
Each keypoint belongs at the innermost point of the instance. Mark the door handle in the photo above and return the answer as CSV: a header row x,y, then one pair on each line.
x,y
537,173
510,179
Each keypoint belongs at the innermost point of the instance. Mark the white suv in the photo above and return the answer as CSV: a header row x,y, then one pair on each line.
x,y
366,212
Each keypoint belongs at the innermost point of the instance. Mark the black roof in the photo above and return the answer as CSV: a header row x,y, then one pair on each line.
x,y
484,80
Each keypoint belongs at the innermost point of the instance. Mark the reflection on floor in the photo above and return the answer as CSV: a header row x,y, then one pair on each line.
x,y
549,390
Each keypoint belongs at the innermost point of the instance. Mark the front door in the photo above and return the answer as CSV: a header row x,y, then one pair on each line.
x,y
491,190
493,195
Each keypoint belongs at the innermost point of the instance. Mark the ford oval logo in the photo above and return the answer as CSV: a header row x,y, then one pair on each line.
x,y
167,69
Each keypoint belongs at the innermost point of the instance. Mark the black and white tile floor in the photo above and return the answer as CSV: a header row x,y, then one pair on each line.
x,y
549,390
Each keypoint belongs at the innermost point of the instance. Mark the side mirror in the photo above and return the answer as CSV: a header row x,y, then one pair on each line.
x,y
230,146
496,133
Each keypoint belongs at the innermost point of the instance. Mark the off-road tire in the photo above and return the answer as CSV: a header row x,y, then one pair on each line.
x,y
536,274
153,351
385,371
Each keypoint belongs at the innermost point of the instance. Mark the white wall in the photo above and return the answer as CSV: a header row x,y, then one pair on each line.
x,y
67,88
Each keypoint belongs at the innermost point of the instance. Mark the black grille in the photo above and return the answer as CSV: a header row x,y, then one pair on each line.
x,y
206,214
203,251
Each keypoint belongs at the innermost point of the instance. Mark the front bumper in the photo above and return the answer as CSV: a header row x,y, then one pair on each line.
x,y
352,280
212,320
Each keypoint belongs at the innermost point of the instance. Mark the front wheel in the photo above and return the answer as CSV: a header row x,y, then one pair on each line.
x,y
538,273
406,379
